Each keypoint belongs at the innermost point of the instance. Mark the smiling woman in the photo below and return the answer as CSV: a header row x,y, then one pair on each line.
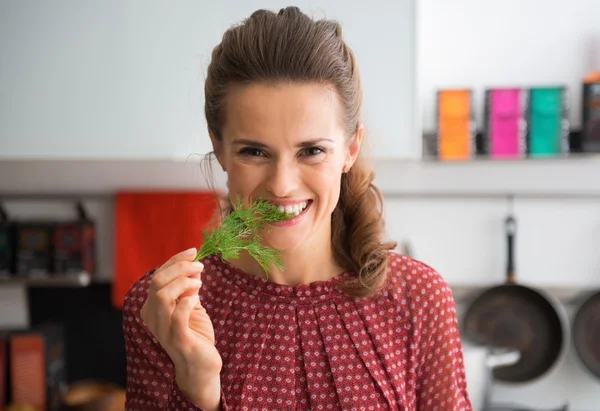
x,y
347,324
269,150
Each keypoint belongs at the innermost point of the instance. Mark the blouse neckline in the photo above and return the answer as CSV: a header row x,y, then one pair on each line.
x,y
317,291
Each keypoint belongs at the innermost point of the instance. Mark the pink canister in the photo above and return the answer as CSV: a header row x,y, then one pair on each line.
x,y
506,124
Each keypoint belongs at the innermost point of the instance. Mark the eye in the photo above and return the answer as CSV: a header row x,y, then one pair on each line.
x,y
251,152
312,151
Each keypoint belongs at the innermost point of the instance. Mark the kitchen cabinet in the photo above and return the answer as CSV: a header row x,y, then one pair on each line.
x,y
124,79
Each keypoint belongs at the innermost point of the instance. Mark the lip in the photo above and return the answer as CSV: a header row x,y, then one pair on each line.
x,y
294,220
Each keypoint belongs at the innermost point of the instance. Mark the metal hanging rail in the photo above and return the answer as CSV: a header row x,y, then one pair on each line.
x,y
56,196
387,194
492,195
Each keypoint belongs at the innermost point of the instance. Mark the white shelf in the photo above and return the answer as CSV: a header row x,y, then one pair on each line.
x,y
102,176
576,175
82,279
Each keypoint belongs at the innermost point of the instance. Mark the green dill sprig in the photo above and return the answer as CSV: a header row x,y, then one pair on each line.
x,y
239,231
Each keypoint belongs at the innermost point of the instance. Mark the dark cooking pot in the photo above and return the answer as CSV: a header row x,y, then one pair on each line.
x,y
521,318
586,332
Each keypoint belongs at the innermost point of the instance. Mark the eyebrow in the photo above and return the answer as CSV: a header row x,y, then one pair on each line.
x,y
308,143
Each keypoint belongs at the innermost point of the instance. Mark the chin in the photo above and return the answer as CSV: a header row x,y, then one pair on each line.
x,y
283,239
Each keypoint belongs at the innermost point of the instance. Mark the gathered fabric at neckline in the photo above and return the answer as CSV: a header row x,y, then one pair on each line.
x,y
323,290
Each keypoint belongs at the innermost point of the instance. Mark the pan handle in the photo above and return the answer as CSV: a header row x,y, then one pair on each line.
x,y
502,358
511,229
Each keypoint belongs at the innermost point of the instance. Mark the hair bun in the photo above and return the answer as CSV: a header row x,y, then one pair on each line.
x,y
290,11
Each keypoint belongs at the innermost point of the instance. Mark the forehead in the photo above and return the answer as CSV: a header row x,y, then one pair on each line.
x,y
289,111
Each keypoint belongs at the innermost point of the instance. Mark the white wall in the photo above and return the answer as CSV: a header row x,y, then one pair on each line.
x,y
478,44
124,79
556,243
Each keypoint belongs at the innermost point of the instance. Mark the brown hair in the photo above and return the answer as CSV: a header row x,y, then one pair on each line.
x,y
290,46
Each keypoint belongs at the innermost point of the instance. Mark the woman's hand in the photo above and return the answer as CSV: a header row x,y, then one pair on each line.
x,y
173,314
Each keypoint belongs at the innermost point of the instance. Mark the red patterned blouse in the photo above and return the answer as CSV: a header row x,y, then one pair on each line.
x,y
311,346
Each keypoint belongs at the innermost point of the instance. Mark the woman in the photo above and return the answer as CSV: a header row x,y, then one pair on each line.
x,y
348,324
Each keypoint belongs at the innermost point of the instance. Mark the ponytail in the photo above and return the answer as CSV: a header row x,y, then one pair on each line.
x,y
357,230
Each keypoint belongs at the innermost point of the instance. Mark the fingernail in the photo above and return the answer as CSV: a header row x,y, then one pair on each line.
x,y
190,251
198,264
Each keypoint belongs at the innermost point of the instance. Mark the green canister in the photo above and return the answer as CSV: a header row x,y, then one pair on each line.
x,y
548,121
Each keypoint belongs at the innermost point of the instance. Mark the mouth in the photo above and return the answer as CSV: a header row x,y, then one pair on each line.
x,y
294,210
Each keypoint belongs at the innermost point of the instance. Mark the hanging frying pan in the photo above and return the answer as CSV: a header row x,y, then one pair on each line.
x,y
521,318
586,333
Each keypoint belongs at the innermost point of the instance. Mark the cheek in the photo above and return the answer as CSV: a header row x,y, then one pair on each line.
x,y
242,180
326,184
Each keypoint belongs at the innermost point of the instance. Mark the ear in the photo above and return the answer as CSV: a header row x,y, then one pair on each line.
x,y
354,147
217,148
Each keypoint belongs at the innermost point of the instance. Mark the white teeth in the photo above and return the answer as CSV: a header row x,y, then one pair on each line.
x,y
293,210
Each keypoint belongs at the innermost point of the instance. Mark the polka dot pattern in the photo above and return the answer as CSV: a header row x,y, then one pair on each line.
x,y
311,346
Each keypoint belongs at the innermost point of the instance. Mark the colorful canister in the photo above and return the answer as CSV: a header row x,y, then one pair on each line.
x,y
455,131
591,113
548,121
505,122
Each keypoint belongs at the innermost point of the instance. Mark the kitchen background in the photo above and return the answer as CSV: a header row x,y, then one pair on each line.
x,y
100,98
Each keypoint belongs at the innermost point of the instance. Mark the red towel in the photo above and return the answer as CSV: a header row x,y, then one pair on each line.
x,y
150,227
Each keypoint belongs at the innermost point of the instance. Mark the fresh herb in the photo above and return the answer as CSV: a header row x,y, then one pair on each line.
x,y
239,231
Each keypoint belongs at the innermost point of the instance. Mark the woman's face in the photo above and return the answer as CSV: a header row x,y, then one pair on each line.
x,y
286,143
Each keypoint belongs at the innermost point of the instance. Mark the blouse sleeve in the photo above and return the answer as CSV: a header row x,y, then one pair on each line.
x,y
151,382
441,383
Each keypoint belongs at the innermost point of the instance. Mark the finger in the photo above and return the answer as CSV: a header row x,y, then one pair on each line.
x,y
181,315
176,270
187,255
193,292
200,322
167,299
168,295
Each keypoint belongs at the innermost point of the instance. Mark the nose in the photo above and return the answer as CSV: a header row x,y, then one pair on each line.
x,y
282,179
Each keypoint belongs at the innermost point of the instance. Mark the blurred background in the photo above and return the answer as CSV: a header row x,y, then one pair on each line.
x,y
475,111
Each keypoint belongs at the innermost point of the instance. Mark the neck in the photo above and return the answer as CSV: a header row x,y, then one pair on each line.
x,y
312,261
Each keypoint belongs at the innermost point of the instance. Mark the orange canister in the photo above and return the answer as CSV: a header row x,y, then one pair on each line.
x,y
455,130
